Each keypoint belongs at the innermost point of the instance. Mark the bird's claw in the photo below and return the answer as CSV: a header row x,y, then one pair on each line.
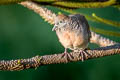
x,y
67,56
84,54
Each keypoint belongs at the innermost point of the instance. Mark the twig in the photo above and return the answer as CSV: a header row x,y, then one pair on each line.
x,y
48,15
100,40
37,61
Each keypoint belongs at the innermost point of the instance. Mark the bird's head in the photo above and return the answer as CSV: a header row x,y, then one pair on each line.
x,y
60,22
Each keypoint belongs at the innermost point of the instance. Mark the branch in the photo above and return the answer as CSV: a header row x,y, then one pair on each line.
x,y
46,14
69,3
84,4
100,40
37,61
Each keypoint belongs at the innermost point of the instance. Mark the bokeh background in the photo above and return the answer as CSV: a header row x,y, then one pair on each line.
x,y
24,34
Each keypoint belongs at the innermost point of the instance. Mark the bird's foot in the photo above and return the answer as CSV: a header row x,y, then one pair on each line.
x,y
67,56
84,54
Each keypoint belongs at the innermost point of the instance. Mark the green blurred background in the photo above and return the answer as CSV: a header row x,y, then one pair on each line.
x,y
25,34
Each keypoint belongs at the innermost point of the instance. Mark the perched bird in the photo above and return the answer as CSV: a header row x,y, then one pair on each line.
x,y
73,32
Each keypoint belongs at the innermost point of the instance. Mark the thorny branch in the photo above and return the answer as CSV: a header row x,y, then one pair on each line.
x,y
37,61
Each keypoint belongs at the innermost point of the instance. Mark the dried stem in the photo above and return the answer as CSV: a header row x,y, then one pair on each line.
x,y
38,61
100,40
42,11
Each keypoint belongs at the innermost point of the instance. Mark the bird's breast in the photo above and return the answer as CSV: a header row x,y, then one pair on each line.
x,y
69,39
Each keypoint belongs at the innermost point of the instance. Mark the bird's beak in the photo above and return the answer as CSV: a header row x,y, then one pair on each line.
x,y
54,28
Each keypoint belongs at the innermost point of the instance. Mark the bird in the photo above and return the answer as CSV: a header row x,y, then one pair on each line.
x,y
73,33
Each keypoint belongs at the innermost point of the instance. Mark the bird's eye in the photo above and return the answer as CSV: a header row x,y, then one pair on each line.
x,y
61,22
